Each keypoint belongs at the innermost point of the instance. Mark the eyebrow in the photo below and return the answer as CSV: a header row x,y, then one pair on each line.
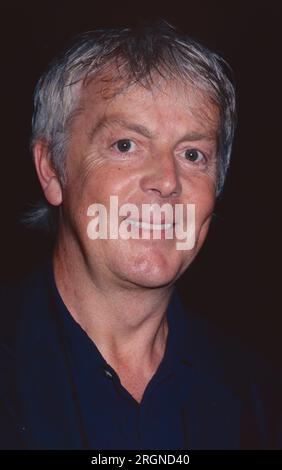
x,y
194,136
140,129
104,122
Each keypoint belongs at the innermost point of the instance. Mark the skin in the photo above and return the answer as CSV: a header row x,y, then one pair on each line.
x,y
119,290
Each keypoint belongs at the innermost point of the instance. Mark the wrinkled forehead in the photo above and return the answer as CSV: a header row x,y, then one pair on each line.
x,y
105,90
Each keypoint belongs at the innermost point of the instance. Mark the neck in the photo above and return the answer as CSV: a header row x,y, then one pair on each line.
x,y
127,323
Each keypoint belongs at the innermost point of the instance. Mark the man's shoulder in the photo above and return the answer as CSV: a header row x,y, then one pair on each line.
x,y
226,356
22,328
238,372
20,299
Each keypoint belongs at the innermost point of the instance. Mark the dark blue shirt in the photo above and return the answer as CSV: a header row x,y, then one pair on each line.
x,y
58,392
110,417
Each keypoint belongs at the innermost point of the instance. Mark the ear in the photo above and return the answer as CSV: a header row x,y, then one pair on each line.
x,y
48,178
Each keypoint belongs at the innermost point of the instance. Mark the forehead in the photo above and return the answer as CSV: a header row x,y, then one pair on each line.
x,y
162,100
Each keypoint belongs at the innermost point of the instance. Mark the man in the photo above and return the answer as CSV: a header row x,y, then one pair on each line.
x,y
97,352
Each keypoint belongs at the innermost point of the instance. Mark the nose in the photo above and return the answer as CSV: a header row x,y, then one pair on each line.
x,y
161,176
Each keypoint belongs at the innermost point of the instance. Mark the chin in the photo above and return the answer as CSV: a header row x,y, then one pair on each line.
x,y
152,281
154,271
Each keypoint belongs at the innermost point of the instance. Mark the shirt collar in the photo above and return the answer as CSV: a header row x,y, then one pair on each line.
x,y
178,326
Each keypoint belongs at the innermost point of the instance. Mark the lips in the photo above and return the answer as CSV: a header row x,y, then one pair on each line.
x,y
149,225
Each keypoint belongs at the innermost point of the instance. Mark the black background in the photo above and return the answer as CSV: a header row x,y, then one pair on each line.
x,y
235,281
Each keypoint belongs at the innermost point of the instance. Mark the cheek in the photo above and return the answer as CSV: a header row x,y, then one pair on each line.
x,y
96,189
204,210
107,181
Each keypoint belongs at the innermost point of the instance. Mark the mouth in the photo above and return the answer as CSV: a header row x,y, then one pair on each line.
x,y
149,226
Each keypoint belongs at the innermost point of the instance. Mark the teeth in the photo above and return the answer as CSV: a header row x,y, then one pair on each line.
x,y
148,226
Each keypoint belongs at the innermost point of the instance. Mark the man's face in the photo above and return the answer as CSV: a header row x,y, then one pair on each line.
x,y
146,146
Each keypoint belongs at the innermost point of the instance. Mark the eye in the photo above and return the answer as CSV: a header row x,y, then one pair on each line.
x,y
194,156
124,145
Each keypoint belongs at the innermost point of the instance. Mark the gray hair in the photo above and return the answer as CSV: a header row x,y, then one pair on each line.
x,y
138,55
